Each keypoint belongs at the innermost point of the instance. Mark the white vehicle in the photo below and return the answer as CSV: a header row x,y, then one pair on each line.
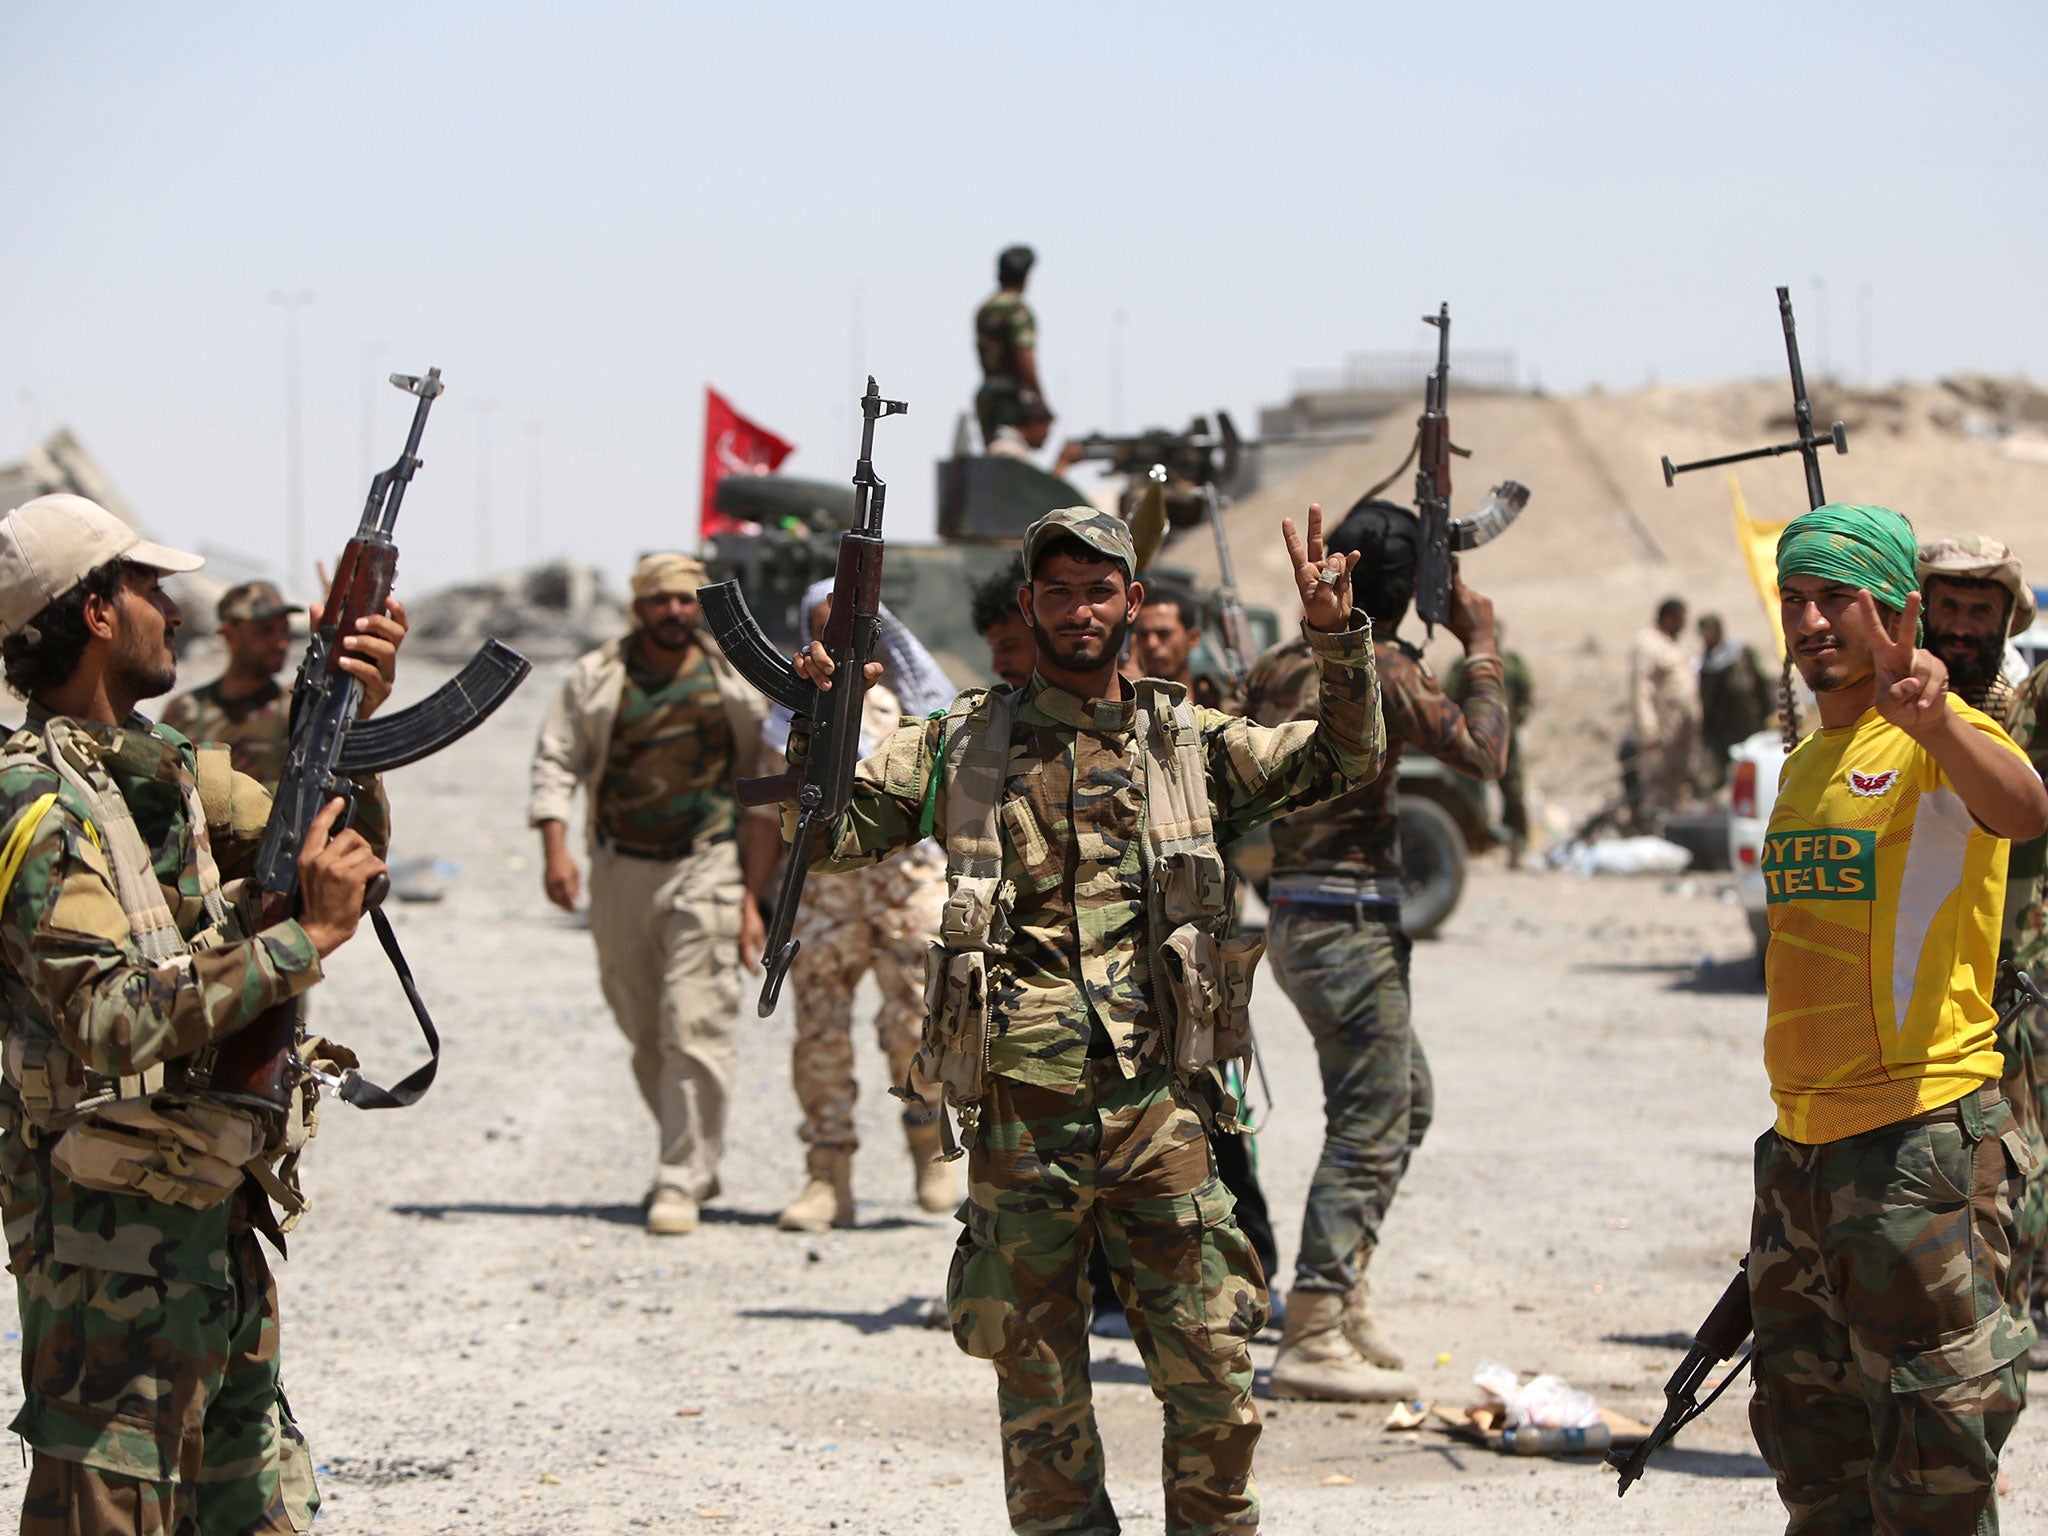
x,y
1752,790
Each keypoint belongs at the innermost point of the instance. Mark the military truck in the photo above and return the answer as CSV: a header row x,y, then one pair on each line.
x,y
985,504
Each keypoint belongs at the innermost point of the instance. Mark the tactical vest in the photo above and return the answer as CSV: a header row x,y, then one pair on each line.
x,y
163,1133
1201,977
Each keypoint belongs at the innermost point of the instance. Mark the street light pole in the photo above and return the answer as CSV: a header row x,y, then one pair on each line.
x,y
293,304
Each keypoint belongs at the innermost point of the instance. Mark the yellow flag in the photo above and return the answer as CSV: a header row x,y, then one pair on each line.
x,y
1758,542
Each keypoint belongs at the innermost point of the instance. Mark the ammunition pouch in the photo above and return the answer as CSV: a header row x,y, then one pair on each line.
x,y
181,1153
1205,989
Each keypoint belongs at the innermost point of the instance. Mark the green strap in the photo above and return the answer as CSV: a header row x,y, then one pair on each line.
x,y
928,817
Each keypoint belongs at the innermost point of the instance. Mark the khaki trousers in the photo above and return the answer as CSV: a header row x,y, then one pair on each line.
x,y
667,937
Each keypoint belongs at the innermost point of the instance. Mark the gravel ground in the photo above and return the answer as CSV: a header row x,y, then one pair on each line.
x,y
479,1337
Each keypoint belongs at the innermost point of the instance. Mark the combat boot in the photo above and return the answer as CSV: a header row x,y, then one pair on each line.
x,y
936,1191
827,1200
671,1213
1364,1332
1317,1361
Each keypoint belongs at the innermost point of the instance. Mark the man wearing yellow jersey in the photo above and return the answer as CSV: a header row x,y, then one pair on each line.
x,y
1889,1353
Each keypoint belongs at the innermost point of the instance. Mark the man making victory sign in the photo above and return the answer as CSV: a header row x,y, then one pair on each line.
x,y
1889,1358
1084,991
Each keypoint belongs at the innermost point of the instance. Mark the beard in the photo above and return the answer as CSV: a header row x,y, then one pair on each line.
x,y
1081,655
672,634
1972,660
143,677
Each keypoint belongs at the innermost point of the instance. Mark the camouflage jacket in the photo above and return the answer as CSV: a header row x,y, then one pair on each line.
x,y
1003,327
1357,833
254,728
2026,891
1076,978
68,965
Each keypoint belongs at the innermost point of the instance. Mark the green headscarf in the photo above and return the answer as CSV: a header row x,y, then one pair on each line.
x,y
1870,547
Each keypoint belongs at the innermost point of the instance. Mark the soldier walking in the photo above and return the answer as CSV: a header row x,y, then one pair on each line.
x,y
149,1319
1889,1358
246,706
655,728
1085,989
881,919
1341,957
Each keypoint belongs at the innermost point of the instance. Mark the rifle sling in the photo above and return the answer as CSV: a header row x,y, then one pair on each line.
x,y
359,1090
1413,448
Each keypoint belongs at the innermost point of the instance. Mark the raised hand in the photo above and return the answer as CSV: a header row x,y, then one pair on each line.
x,y
1912,684
1323,579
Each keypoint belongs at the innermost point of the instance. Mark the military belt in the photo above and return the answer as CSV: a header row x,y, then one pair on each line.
x,y
1335,891
667,853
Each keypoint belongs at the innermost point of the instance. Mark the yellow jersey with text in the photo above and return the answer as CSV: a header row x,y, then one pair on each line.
x,y
1885,901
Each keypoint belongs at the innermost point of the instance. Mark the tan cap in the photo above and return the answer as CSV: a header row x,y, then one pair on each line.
x,y
51,544
657,575
1104,532
253,600
1973,557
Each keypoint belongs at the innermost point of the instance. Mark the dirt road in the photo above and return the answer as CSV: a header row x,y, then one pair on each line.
x,y
479,1337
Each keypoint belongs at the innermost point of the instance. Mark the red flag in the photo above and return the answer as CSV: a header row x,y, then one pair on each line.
x,y
733,445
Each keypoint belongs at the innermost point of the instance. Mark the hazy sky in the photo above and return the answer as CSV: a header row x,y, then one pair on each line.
x,y
583,214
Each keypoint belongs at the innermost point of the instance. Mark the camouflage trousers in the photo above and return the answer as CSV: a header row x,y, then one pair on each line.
x,y
880,919
2024,1044
1122,1164
667,938
1889,1352
151,1404
1346,972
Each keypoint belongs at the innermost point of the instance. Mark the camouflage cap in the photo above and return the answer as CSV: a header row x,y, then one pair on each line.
x,y
1973,557
253,600
659,574
1104,532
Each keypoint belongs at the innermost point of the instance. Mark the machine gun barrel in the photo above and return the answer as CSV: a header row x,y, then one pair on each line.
x,y
1808,443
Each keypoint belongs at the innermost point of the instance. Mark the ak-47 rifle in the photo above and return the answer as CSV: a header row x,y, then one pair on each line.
x,y
1807,445
1442,535
824,738
1723,1333
327,749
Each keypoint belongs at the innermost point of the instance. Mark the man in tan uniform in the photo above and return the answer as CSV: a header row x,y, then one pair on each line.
x,y
882,919
246,706
1664,714
655,727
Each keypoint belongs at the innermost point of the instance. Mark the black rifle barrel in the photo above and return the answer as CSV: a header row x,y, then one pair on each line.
x,y
1807,445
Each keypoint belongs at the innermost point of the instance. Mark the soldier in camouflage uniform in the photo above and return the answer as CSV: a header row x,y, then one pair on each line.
x,y
880,919
1073,1021
1976,596
1889,1330
2024,941
1521,691
246,706
133,1194
1340,955
1006,341
655,728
